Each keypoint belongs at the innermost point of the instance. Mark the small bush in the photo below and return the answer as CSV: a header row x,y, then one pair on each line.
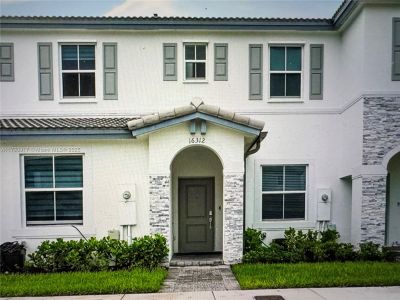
x,y
312,246
271,254
345,252
97,255
370,251
253,240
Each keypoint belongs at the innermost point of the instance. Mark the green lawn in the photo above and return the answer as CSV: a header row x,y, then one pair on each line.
x,y
81,283
257,276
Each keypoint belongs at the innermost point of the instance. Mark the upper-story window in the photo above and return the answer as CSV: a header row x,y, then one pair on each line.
x,y
284,191
78,67
285,71
195,61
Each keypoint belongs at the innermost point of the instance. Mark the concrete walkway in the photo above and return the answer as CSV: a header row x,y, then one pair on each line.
x,y
191,279
363,293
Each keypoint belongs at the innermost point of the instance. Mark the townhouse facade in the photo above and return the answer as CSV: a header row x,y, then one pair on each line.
x,y
197,128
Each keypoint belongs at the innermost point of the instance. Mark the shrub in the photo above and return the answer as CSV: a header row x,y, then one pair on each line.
x,y
345,252
273,253
253,239
370,251
312,246
97,255
329,236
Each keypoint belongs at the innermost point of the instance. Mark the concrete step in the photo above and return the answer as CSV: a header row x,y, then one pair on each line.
x,y
196,260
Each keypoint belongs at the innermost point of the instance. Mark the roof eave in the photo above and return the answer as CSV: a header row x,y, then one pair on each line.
x,y
12,134
122,24
196,115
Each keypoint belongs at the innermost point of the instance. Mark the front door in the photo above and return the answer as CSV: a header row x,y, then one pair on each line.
x,y
196,215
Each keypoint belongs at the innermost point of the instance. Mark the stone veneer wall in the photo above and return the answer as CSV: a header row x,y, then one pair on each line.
x,y
373,209
381,134
160,215
233,218
381,128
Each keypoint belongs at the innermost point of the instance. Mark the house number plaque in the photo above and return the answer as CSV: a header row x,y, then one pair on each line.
x,y
197,140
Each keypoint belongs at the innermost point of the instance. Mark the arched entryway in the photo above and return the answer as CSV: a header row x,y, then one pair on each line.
x,y
393,202
197,201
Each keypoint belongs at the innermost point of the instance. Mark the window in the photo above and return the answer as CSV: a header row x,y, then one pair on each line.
x,y
283,192
53,189
6,62
78,67
285,71
195,61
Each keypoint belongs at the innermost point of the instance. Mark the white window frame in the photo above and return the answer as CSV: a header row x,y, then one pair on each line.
x,y
193,80
79,98
53,189
255,207
301,72
305,192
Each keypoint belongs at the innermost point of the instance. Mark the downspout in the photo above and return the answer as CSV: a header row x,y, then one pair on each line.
x,y
250,151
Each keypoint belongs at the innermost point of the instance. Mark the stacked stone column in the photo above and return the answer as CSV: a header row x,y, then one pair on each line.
x,y
160,206
233,218
381,134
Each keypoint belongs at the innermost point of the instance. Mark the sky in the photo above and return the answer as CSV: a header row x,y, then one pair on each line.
x,y
194,8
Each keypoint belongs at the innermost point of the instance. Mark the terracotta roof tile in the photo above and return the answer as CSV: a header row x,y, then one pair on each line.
x,y
190,109
65,123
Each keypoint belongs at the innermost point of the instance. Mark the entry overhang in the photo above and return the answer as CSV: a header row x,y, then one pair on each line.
x,y
210,113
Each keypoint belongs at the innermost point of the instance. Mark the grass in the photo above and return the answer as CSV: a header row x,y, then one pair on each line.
x,y
82,283
302,275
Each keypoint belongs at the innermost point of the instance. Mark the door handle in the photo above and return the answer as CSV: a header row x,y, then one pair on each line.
x,y
210,221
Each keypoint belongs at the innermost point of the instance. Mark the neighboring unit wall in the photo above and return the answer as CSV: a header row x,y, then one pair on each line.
x,y
377,49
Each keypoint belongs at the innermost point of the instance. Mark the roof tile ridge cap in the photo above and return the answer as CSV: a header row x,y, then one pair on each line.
x,y
197,104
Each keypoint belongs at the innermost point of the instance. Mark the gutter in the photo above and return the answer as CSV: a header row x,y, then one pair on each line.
x,y
250,151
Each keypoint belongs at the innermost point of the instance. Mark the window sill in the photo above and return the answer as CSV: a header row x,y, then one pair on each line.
x,y
195,81
77,100
52,232
284,224
285,100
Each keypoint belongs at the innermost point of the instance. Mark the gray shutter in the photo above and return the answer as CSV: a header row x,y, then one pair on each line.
x,y
110,68
255,69
220,62
45,67
316,71
6,62
396,50
169,68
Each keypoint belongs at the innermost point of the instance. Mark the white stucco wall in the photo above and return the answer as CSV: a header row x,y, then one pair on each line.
x,y
313,140
140,65
325,135
110,167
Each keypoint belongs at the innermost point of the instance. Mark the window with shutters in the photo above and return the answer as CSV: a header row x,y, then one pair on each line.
x,y
285,71
284,192
53,189
6,62
195,61
78,70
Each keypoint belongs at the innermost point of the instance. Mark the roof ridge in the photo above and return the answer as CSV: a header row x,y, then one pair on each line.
x,y
162,18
